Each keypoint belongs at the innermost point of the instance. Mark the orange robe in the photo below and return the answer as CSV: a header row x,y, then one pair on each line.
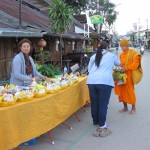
x,y
126,91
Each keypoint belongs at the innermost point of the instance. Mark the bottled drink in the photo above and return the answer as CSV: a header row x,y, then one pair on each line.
x,y
65,70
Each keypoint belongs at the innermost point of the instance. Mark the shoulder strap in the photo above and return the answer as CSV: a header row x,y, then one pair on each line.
x,y
127,58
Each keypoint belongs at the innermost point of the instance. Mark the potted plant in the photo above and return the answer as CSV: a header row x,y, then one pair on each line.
x,y
61,18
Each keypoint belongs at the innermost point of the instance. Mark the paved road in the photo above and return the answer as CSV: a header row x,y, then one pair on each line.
x,y
130,132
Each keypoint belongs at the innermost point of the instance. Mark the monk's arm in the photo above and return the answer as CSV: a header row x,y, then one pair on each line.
x,y
134,65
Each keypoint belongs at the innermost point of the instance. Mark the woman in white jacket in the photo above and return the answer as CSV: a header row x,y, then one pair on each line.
x,y
100,83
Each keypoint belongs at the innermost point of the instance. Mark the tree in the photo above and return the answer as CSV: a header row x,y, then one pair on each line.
x,y
61,18
132,36
106,9
77,5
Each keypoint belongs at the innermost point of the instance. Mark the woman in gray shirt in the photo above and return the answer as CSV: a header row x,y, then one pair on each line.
x,y
23,68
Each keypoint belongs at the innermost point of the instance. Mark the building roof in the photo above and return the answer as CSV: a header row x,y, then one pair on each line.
x,y
37,4
32,19
7,32
81,18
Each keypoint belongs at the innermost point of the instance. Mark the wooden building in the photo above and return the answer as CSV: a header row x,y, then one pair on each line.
x,y
32,23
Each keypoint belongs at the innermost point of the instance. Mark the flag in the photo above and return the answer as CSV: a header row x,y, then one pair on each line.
x,y
96,19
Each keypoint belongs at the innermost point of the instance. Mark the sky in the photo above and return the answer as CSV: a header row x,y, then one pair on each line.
x,y
131,11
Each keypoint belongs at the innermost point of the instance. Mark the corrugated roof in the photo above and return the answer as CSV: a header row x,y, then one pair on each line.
x,y
37,4
7,32
32,19
81,18
30,16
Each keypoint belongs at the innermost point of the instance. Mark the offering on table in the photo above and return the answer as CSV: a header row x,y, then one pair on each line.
x,y
8,97
77,74
24,95
11,89
7,100
2,90
39,90
52,88
83,75
72,78
63,84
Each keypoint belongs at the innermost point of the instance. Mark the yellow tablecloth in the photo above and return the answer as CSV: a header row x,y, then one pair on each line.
x,y
27,120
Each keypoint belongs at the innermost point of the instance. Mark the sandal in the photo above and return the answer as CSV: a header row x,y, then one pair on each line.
x,y
102,132
105,132
97,132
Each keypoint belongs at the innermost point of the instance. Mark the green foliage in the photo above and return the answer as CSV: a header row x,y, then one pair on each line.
x,y
132,36
77,5
45,56
48,70
61,18
60,15
111,18
106,9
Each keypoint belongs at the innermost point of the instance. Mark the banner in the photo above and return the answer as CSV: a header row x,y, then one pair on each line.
x,y
96,19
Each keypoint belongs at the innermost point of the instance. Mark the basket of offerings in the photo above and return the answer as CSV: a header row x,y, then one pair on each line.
x,y
24,96
63,84
7,100
39,90
52,88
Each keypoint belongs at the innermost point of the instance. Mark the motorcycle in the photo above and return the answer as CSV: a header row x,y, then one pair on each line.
x,y
142,50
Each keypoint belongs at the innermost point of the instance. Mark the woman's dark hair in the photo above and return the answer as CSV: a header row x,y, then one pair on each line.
x,y
103,45
25,40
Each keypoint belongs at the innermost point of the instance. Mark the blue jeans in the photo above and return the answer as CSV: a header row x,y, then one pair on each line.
x,y
99,95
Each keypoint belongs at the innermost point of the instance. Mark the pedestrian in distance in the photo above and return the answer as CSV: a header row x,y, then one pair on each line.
x,y
23,68
100,83
117,46
130,60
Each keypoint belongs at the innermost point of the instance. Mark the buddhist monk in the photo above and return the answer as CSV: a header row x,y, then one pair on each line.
x,y
130,60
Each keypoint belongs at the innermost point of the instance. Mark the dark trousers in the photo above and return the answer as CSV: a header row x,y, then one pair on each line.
x,y
99,95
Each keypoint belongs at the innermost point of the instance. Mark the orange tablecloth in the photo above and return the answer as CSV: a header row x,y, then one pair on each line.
x,y
27,120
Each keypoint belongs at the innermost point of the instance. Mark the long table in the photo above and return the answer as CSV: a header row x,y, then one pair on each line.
x,y
27,120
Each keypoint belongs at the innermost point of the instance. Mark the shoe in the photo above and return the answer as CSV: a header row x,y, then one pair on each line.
x,y
102,132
